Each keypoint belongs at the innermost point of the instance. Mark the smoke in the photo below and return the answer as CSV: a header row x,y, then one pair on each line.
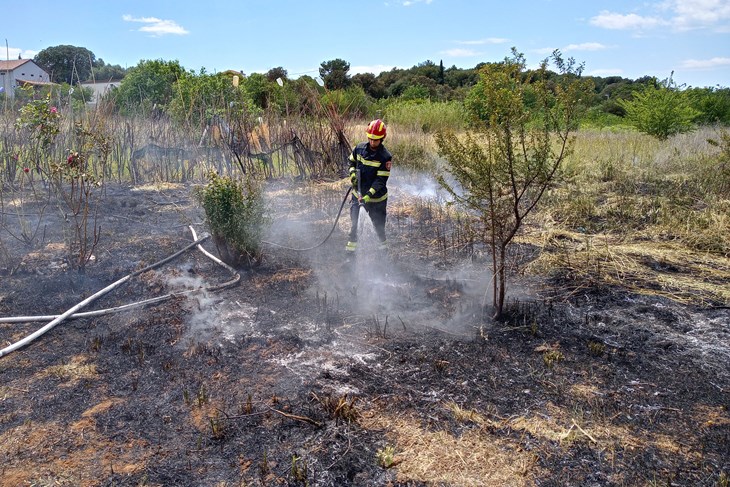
x,y
211,318
367,290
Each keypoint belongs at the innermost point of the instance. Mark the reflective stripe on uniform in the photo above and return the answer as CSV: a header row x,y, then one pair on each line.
x,y
383,173
376,200
368,162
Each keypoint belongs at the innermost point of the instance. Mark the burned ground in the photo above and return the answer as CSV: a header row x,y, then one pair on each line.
x,y
317,371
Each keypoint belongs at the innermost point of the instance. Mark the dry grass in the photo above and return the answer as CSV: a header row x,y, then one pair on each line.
x,y
76,369
475,458
666,269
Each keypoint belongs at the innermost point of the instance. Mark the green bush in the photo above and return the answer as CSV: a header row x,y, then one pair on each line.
x,y
236,215
661,110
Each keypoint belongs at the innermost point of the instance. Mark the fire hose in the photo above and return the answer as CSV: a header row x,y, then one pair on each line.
x,y
71,313
334,225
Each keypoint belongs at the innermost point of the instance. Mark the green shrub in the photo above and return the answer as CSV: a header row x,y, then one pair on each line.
x,y
235,213
661,111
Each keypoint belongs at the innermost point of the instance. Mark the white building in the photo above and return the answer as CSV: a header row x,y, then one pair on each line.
x,y
100,89
18,72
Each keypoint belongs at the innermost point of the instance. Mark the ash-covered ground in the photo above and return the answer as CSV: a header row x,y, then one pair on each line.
x,y
319,371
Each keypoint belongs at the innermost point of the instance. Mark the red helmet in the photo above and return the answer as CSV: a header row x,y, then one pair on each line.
x,y
376,130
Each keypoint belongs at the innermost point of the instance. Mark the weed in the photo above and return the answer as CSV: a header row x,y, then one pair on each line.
x,y
552,357
386,456
596,348
339,408
298,469
248,406
186,396
440,366
723,480
96,343
534,328
264,467
202,395
217,427
464,415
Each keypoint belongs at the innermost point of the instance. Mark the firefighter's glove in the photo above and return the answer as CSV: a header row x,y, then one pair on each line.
x,y
353,180
366,198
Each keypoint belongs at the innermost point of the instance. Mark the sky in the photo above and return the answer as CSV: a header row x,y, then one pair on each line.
x,y
686,39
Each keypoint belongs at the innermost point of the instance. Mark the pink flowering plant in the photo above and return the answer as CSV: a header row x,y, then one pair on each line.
x,y
77,187
42,119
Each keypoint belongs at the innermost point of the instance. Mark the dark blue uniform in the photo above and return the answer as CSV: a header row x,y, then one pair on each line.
x,y
374,167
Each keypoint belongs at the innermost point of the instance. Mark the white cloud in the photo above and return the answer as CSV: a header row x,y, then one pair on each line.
x,y
14,52
714,62
585,46
610,20
157,27
544,50
693,14
408,3
678,14
479,42
461,52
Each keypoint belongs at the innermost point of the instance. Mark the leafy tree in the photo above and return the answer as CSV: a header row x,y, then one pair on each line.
x,y
77,95
103,72
149,84
661,110
198,97
524,132
370,84
457,78
258,89
351,102
713,103
415,92
66,64
277,73
334,74
307,92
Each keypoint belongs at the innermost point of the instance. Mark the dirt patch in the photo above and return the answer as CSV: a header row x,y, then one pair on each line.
x,y
316,370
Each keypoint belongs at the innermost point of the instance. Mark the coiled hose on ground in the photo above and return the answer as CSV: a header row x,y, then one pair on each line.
x,y
72,312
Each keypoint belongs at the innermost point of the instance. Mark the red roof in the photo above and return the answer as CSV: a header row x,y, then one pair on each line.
x,y
11,65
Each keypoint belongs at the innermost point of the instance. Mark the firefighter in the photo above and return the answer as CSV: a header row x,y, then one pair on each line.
x,y
371,161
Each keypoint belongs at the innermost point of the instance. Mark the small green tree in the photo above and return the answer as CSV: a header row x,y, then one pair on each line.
x,y
524,123
713,103
334,74
660,109
103,72
148,84
236,215
197,97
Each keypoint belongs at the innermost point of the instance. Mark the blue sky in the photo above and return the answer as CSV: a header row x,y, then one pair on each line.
x,y
631,39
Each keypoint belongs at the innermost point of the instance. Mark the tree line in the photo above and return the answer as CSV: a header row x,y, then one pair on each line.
x,y
168,86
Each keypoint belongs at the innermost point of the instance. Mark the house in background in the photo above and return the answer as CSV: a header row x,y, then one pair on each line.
x,y
19,72
100,89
